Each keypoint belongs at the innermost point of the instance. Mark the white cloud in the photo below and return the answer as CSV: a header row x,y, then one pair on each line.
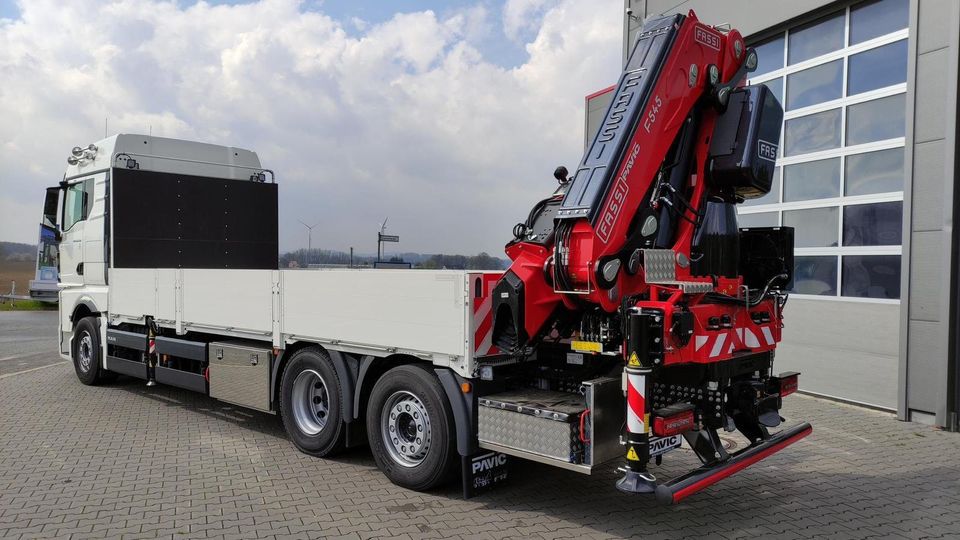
x,y
358,23
405,118
522,16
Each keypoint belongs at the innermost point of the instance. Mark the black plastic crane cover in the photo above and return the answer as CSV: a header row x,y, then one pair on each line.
x,y
766,252
743,152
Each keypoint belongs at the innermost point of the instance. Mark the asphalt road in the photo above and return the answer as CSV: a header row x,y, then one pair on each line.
x,y
126,461
28,340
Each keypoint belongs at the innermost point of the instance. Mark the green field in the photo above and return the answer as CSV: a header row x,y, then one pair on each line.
x,y
27,305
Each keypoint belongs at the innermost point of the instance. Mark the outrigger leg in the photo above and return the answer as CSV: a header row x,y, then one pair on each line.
x,y
636,478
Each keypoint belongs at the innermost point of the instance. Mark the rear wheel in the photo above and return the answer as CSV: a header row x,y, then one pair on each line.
x,y
310,403
410,428
86,352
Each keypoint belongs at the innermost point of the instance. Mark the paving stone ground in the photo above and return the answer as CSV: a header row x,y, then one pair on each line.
x,y
124,460
28,340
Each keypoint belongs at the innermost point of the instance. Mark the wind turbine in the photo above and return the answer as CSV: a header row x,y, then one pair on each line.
x,y
309,235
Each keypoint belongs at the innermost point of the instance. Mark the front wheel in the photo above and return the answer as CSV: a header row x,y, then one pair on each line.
x,y
86,352
410,428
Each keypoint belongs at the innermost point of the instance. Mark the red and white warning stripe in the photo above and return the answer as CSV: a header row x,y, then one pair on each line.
x,y
726,341
483,326
767,335
636,403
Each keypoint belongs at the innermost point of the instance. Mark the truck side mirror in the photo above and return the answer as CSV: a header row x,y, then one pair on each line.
x,y
51,203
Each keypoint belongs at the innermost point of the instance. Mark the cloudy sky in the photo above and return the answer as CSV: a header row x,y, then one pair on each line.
x,y
446,116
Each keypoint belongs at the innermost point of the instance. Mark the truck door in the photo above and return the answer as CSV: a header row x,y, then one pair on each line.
x,y
94,231
77,204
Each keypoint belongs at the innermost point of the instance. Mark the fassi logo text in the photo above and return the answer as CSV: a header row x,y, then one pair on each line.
x,y
617,198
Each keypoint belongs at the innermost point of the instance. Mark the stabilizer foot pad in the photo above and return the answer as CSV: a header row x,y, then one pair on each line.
x,y
634,482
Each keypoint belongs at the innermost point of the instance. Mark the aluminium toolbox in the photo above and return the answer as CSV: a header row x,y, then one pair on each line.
x,y
540,422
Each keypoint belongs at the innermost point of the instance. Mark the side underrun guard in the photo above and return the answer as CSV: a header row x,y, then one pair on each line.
x,y
707,446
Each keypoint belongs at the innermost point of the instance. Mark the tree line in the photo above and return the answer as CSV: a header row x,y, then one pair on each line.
x,y
303,258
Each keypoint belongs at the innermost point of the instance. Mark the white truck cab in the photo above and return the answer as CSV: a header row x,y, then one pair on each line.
x,y
82,214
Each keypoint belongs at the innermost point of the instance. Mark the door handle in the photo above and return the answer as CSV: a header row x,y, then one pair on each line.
x,y
80,269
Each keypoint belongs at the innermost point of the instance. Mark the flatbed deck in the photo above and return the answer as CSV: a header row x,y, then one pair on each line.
x,y
436,315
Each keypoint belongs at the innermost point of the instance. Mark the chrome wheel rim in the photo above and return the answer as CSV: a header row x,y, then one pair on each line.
x,y
85,352
405,427
311,402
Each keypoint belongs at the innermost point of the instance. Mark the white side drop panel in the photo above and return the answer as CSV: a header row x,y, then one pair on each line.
x,y
233,299
417,310
423,312
133,292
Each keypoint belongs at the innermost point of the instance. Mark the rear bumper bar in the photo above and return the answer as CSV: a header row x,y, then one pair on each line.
x,y
682,487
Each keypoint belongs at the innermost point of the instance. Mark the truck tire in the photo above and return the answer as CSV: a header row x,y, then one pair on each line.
x,y
86,352
411,429
310,403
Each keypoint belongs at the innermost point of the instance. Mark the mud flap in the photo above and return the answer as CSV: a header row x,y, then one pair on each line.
x,y
482,471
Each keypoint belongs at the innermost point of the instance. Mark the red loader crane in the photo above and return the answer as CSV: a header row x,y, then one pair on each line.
x,y
639,256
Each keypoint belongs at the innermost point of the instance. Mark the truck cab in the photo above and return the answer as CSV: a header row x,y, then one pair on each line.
x,y
78,210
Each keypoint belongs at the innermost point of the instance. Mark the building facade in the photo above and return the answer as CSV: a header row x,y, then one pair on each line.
x,y
865,176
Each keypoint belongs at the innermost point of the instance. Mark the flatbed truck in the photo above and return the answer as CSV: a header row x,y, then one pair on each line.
x,y
635,314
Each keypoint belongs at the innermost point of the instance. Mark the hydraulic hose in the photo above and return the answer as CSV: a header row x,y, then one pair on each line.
x,y
727,299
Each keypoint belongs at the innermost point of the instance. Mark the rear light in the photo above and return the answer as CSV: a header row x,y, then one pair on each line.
x,y
786,383
673,420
